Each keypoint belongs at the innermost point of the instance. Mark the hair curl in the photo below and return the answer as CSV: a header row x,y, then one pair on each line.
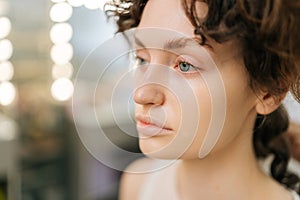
x,y
269,32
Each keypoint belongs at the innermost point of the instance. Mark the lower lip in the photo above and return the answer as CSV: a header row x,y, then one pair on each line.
x,y
149,130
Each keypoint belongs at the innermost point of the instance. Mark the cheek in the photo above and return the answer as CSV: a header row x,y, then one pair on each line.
x,y
240,112
240,97
224,111
204,101
193,113
182,108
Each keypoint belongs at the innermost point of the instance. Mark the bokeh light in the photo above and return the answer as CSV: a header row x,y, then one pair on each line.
x,y
62,89
62,71
7,93
76,3
62,53
93,4
61,33
5,25
61,12
8,130
6,71
58,1
6,50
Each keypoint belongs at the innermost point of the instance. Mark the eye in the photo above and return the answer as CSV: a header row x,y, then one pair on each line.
x,y
184,66
140,61
140,58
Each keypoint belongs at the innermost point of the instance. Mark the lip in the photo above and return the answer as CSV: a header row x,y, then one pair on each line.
x,y
150,127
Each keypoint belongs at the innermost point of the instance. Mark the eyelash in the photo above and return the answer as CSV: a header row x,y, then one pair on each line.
x,y
140,61
192,68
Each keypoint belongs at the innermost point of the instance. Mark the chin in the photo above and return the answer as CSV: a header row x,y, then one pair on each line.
x,y
156,149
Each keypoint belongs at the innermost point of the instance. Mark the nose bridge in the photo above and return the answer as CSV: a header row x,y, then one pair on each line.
x,y
157,71
151,80
161,57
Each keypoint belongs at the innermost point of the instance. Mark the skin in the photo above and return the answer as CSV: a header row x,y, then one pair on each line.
x,y
231,163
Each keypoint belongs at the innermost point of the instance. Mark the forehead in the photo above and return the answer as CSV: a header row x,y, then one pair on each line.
x,y
160,38
167,14
170,15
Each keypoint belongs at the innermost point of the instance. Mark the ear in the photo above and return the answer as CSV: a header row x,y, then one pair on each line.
x,y
268,103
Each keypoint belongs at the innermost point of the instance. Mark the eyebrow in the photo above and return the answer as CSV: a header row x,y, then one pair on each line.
x,y
176,43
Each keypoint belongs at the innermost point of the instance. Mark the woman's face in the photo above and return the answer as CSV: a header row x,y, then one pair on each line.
x,y
191,100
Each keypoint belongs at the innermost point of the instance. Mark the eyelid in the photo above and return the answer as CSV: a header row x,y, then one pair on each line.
x,y
142,53
141,57
188,59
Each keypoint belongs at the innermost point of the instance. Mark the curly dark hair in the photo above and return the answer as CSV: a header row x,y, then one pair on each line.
x,y
269,32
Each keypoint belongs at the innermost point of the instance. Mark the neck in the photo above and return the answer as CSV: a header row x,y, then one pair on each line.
x,y
227,173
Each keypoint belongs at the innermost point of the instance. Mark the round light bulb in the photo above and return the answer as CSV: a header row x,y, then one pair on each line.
x,y
76,3
8,129
6,50
61,33
62,89
7,93
62,71
62,53
93,4
61,12
5,25
58,1
6,71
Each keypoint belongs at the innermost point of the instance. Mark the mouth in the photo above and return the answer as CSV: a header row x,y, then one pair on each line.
x,y
149,127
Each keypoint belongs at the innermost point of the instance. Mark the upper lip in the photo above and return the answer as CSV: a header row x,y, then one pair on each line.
x,y
150,120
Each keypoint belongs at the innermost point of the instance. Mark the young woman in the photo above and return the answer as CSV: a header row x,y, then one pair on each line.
x,y
253,47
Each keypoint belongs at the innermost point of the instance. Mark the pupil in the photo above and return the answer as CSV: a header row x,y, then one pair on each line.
x,y
184,67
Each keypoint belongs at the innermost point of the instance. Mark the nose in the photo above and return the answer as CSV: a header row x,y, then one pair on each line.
x,y
149,94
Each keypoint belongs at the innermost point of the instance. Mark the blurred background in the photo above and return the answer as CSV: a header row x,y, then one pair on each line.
x,y
42,46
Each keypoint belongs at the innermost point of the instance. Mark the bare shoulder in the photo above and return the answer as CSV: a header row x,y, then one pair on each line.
x,y
132,179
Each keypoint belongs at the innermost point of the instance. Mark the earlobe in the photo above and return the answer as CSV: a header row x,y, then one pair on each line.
x,y
268,103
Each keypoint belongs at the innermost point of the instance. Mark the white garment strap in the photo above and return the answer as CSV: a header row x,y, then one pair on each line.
x,y
295,195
